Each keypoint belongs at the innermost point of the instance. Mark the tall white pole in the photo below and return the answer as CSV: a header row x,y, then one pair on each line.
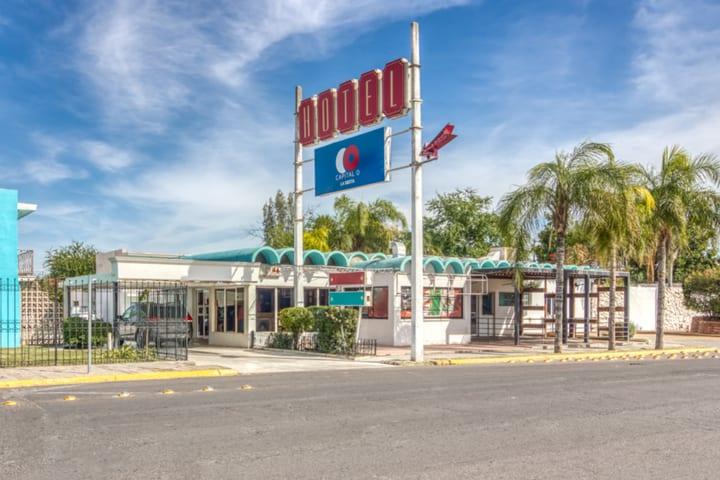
x,y
417,349
298,224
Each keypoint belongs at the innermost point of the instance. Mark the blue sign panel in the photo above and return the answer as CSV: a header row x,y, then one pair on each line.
x,y
347,299
354,162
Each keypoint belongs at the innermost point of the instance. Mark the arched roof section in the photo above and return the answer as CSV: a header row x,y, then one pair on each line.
x,y
471,265
377,256
394,263
433,265
503,264
314,257
571,267
356,257
286,255
266,255
547,266
336,258
453,265
487,264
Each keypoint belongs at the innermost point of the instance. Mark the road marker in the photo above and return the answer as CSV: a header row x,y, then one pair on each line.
x,y
123,395
69,398
9,403
207,388
167,391
246,387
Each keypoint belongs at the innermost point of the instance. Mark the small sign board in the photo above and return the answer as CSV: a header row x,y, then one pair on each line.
x,y
354,162
347,278
347,299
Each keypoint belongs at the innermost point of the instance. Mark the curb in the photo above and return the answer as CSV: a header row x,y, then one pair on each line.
x,y
118,377
564,357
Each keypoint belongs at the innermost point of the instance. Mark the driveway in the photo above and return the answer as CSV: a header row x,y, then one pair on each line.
x,y
248,361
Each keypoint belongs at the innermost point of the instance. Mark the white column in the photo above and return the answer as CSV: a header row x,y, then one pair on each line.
x,y
299,253
416,276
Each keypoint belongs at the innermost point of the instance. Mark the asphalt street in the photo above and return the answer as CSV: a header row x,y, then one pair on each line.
x,y
636,420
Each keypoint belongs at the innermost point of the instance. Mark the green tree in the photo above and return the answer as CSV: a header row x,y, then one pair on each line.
x,y
460,224
614,219
71,260
681,189
278,220
368,227
558,189
702,291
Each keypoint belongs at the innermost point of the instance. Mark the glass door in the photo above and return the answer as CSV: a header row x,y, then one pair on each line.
x,y
202,313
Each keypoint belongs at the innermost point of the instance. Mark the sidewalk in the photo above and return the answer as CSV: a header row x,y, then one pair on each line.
x,y
122,372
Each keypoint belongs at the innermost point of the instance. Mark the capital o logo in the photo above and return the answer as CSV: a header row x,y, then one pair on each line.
x,y
347,159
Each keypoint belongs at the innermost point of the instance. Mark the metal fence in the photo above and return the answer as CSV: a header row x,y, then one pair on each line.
x,y
44,322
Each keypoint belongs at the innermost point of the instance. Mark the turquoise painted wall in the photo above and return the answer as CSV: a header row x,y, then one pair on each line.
x,y
9,288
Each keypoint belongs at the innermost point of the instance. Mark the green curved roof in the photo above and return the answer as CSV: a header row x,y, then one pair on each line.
x,y
377,256
336,258
356,257
455,264
310,257
393,263
435,262
254,255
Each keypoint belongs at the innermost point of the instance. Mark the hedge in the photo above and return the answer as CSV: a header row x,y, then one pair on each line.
x,y
702,291
335,327
75,332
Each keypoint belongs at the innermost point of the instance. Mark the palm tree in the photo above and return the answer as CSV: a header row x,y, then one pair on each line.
x,y
614,221
559,190
681,188
366,227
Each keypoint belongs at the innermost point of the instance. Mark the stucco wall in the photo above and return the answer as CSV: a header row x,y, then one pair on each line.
x,y
643,300
10,291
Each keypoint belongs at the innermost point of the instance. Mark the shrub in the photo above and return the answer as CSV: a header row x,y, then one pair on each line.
x,y
281,340
75,332
296,320
336,329
632,330
702,291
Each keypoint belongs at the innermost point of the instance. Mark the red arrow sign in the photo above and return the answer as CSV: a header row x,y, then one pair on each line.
x,y
432,148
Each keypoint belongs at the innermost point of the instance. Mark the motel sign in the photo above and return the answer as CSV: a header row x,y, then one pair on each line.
x,y
376,95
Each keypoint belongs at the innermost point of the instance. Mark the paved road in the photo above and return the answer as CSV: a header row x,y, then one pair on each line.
x,y
649,420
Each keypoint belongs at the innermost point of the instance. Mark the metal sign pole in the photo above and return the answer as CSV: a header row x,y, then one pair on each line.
x,y
298,224
416,280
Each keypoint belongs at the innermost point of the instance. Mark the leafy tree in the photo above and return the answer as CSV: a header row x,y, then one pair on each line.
x,y
368,227
278,220
558,189
71,260
702,291
460,224
681,189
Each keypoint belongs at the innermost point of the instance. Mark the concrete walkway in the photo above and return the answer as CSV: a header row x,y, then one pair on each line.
x,y
247,361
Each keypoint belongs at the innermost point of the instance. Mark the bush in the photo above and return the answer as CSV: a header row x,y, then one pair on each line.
x,y
75,332
702,291
632,330
336,329
296,320
281,340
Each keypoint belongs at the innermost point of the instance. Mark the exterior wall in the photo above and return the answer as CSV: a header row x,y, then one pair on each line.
x,y
10,291
438,331
383,329
643,301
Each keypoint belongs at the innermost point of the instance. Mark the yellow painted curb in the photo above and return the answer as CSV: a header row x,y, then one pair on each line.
x,y
568,357
118,377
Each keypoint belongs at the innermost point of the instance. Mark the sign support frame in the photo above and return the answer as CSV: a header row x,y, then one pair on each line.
x,y
416,275
299,223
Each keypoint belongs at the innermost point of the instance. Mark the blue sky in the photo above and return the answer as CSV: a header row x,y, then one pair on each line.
x,y
164,126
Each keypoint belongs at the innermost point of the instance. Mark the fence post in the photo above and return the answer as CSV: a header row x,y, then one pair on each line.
x,y
89,337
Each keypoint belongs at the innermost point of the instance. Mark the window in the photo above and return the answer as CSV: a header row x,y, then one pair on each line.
x,y
487,304
285,298
379,307
220,309
437,302
311,297
506,299
230,310
265,309
324,297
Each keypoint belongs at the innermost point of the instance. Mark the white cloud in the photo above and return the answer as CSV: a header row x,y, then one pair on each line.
x,y
145,58
106,157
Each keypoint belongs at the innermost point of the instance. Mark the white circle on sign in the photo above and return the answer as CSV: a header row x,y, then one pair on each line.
x,y
339,158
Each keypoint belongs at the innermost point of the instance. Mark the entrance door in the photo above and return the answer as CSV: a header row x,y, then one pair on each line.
x,y
202,313
483,319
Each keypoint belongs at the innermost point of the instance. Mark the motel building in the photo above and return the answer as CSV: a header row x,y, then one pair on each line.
x,y
233,297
